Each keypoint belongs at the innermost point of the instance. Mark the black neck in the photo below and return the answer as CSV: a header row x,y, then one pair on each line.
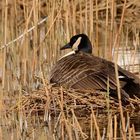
x,y
85,46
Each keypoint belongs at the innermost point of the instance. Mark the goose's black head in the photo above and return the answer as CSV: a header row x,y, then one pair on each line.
x,y
78,43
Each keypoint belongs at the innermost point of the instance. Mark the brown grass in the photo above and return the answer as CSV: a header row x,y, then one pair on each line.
x,y
31,34
80,101
76,114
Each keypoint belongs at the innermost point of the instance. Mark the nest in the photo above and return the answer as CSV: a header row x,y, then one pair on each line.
x,y
56,100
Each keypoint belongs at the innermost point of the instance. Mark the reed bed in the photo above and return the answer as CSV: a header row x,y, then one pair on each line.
x,y
31,34
68,114
27,42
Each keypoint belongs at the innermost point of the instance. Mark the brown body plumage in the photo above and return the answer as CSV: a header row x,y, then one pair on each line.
x,y
86,72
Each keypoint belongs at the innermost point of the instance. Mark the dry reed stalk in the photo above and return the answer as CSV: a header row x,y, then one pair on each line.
x,y
66,7
109,128
35,37
1,134
25,46
69,129
4,16
133,58
96,125
111,29
130,133
116,71
133,132
45,87
62,112
86,17
115,127
91,127
91,21
120,104
81,19
105,49
73,17
97,30
75,130
107,97
83,135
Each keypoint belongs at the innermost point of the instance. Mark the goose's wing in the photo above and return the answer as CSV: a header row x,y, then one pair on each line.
x,y
85,72
129,82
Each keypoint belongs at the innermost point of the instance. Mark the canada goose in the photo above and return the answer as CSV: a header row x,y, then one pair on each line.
x,y
81,70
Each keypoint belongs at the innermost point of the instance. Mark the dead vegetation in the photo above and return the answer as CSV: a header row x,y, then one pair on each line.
x,y
39,101
31,33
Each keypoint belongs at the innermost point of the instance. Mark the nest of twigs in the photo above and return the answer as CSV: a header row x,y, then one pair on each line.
x,y
55,100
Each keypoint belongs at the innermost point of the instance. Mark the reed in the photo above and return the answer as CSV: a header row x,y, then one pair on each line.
x,y
31,35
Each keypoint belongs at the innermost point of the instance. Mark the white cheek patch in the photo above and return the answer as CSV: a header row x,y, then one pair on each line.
x,y
75,45
74,48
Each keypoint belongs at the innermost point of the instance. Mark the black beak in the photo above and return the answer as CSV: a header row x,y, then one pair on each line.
x,y
67,46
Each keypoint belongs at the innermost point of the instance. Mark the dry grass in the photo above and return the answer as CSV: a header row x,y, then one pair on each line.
x,y
29,48
80,101
67,113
